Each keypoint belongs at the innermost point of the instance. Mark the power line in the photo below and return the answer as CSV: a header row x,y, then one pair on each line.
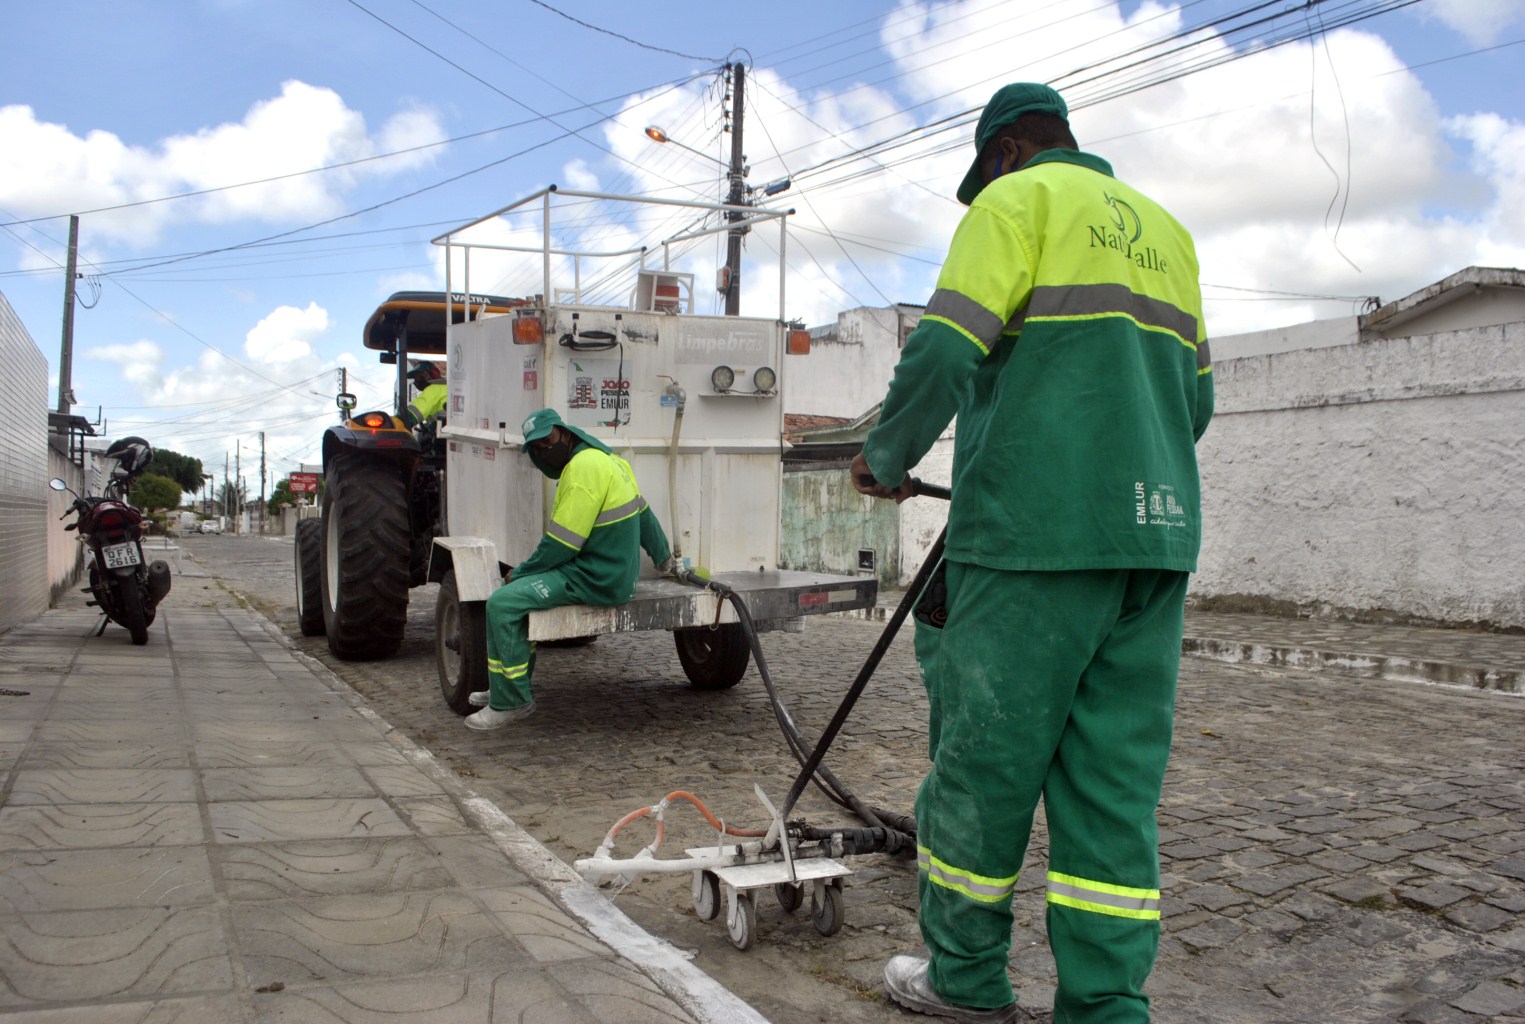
x,y
616,35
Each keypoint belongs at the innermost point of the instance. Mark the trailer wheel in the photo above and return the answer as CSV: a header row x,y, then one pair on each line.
x,y
741,921
826,911
309,573
713,659
790,895
460,645
365,557
706,891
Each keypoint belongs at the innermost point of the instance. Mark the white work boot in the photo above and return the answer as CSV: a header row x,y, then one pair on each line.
x,y
907,985
488,719
478,698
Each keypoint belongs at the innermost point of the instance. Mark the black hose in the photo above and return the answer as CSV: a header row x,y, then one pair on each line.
x,y
888,832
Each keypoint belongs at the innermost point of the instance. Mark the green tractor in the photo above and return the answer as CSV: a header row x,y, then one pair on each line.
x,y
384,491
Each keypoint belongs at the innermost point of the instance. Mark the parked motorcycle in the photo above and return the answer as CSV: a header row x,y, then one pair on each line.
x,y
126,588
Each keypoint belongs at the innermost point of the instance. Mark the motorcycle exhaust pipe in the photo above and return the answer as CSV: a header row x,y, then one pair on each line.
x,y
158,580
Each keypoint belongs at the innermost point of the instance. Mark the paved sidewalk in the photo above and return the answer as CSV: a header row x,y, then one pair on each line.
x,y
212,828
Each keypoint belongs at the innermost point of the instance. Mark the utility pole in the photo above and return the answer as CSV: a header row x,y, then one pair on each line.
x,y
238,481
225,492
66,356
737,194
262,478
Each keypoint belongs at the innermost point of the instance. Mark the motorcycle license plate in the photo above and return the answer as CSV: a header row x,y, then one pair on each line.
x,y
121,555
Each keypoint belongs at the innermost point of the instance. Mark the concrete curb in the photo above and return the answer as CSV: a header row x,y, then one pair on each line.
x,y
1368,666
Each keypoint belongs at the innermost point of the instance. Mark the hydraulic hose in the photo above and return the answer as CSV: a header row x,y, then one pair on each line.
x,y
888,832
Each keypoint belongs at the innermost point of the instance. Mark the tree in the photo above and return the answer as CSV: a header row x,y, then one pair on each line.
x,y
285,496
151,491
231,498
182,469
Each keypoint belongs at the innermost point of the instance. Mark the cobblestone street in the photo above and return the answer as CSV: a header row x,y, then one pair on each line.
x,y
1336,847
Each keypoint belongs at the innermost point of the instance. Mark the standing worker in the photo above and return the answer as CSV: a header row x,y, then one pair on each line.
x,y
590,554
1066,333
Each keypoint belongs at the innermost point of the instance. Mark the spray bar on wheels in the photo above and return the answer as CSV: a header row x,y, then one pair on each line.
x,y
786,856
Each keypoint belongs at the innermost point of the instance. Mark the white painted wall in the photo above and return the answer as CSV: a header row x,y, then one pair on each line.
x,y
1384,475
23,473
1381,475
1343,330
849,366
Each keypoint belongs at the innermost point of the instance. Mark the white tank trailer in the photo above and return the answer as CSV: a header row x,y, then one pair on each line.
x,y
693,402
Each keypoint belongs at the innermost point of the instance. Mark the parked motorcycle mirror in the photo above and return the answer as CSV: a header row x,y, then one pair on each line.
x,y
57,484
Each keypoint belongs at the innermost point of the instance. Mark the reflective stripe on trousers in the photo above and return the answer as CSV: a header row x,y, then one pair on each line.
x,y
1103,897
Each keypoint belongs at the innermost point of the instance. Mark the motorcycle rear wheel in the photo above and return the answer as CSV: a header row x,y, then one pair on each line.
x,y
134,617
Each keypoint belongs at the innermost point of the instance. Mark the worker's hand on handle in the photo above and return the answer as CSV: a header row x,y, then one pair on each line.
x,y
864,482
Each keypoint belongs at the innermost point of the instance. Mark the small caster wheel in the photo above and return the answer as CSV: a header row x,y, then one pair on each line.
x,y
790,896
706,895
826,909
741,922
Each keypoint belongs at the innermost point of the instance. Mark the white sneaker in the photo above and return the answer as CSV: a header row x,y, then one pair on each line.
x,y
488,719
478,698
907,985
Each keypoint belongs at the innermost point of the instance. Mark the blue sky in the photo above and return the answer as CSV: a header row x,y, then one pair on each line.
x,y
1369,160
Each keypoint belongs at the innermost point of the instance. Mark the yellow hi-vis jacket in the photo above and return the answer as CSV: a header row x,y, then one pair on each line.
x,y
1066,333
599,526
429,403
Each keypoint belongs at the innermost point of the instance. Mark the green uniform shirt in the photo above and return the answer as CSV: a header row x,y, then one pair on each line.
x,y
1066,332
599,526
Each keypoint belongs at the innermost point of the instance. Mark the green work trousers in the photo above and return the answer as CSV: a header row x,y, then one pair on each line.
x,y
1059,685
510,654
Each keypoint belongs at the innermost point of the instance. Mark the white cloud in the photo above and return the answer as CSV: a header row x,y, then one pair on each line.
x,y
286,334
578,175
141,361
46,168
1480,22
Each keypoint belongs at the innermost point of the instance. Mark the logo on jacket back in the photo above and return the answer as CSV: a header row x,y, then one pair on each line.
x,y
1122,235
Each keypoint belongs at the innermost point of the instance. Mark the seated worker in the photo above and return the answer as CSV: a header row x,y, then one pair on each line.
x,y
432,395
590,554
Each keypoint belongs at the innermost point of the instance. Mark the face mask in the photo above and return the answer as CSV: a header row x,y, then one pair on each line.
x,y
553,458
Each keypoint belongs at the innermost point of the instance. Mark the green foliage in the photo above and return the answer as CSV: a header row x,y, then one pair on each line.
x,y
151,491
231,499
182,469
284,496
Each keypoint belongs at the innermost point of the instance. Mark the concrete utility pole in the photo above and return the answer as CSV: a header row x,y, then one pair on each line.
x,y
262,476
66,356
737,194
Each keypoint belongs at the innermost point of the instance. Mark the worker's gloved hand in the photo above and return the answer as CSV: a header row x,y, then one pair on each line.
x,y
670,566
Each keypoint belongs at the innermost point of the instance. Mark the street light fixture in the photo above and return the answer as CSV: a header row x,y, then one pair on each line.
x,y
656,134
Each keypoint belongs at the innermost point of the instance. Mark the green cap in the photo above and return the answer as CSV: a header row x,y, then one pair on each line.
x,y
1009,103
538,425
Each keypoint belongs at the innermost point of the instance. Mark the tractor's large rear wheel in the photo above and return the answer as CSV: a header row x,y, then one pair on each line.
x,y
365,557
